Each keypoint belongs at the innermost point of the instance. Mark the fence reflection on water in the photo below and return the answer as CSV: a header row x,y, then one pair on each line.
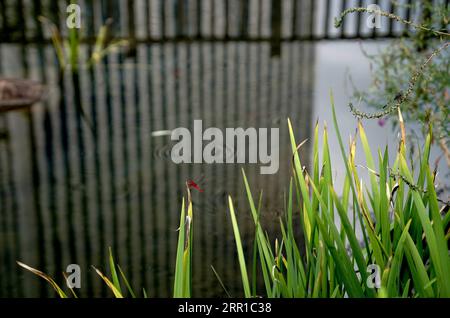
x,y
70,186
69,192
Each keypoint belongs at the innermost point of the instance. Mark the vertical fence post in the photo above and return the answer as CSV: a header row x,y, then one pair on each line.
x,y
294,19
342,29
326,20
425,18
243,28
227,19
5,26
37,12
358,20
148,20
212,22
162,11
90,25
14,25
374,30
407,16
312,11
198,16
391,9
180,18
131,28
275,37
21,21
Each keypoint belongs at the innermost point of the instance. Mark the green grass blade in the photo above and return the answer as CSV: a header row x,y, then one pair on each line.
x,y
435,244
112,268
394,273
240,252
127,284
416,266
220,282
179,277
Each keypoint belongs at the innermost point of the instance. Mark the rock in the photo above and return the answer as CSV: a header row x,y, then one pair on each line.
x,y
19,93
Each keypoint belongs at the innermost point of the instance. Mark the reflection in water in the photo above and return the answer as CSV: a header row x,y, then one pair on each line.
x,y
82,171
72,186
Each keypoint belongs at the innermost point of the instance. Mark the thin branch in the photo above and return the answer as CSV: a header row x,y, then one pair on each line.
x,y
339,20
401,97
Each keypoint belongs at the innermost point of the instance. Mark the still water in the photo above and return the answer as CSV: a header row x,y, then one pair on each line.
x,y
74,185
85,169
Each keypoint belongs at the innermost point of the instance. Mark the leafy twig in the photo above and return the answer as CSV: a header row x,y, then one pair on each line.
x,y
401,97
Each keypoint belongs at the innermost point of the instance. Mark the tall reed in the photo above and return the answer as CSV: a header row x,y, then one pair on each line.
x,y
402,250
404,234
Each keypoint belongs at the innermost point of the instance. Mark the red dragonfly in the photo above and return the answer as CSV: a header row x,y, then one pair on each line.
x,y
195,185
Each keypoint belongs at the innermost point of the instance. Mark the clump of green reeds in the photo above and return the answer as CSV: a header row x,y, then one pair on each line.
x,y
404,232
68,50
183,266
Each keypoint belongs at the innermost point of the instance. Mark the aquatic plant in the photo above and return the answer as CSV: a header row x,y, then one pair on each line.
x,y
401,97
402,250
68,55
